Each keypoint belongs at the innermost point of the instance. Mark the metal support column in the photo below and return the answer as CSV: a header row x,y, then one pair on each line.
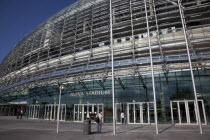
x,y
178,105
59,105
172,114
141,113
134,113
153,79
187,112
112,53
190,63
148,112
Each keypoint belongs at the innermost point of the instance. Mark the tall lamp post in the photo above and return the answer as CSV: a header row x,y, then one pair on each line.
x,y
59,105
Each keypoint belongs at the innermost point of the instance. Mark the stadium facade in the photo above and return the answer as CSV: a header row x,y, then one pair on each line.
x,y
74,49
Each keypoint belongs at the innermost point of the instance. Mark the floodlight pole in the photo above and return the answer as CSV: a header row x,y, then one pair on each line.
x,y
59,104
190,63
152,69
112,54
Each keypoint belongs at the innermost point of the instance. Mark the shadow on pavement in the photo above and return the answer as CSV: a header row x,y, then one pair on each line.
x,y
166,128
131,129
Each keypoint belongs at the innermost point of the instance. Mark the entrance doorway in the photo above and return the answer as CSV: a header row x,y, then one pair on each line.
x,y
84,111
184,112
140,112
119,108
33,111
51,112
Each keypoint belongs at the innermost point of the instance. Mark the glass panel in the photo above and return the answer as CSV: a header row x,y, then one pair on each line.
x,y
55,112
151,112
92,113
89,110
137,113
183,112
145,112
61,111
36,112
32,111
76,113
131,113
95,110
50,112
80,113
118,112
64,112
85,112
201,111
192,114
29,111
175,112
101,108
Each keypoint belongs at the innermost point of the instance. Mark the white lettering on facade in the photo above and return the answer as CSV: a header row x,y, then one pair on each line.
x,y
98,92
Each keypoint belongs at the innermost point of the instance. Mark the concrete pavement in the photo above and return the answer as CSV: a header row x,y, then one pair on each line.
x,y
35,129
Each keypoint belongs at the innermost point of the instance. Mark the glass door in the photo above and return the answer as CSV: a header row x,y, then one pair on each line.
x,y
118,110
84,111
76,113
192,114
130,112
33,111
145,117
51,112
184,112
137,113
202,112
140,112
63,112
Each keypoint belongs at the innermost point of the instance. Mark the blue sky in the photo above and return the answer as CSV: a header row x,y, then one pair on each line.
x,y
20,17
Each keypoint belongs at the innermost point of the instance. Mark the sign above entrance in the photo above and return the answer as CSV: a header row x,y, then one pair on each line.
x,y
98,92
21,102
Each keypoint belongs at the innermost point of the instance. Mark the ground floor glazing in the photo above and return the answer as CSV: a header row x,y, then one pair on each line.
x,y
134,97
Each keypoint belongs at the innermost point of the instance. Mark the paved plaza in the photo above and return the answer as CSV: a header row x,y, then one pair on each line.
x,y
28,129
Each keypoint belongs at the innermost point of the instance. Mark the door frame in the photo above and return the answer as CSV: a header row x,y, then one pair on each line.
x,y
141,112
53,115
82,113
33,111
188,118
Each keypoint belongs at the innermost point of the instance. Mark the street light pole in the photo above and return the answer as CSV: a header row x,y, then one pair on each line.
x,y
58,114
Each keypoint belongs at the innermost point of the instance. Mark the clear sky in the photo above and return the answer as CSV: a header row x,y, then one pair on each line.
x,y
20,17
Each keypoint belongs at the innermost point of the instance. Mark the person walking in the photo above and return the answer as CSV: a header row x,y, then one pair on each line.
x,y
122,115
21,114
99,122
